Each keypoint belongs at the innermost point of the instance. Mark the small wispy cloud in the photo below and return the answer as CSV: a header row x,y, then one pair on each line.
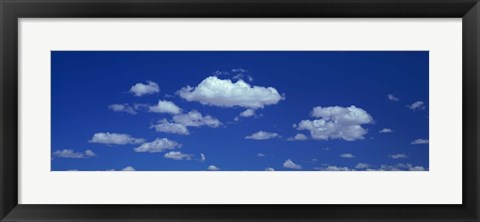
x,y
362,166
164,106
419,141
386,130
196,119
246,114
391,97
398,156
123,108
141,89
128,168
298,137
177,155
213,168
291,165
158,145
418,105
66,153
347,155
332,168
115,139
165,126
262,135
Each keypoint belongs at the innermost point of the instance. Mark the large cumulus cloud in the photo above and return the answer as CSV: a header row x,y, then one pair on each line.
x,y
225,93
336,122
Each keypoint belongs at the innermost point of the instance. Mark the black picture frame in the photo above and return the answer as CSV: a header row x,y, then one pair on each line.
x,y
12,10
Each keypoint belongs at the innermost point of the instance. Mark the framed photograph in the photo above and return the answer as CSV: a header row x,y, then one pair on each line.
x,y
207,110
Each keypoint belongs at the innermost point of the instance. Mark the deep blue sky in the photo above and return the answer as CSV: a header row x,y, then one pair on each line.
x,y
84,84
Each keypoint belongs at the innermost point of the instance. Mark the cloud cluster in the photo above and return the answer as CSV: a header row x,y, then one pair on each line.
x,y
262,135
66,153
418,105
419,141
158,145
164,106
141,89
123,108
336,122
400,167
115,139
224,93
291,165
177,155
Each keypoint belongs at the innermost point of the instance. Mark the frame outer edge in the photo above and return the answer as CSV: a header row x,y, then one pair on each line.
x,y
8,109
471,106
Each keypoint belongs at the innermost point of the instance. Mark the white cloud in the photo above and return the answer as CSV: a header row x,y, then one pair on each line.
x,y
398,156
66,153
386,130
202,157
177,155
291,165
362,166
260,154
262,135
123,108
245,114
115,138
224,93
165,106
239,70
213,168
269,169
141,89
401,167
336,122
418,105
158,145
419,141
166,127
90,153
333,168
347,155
128,168
298,137
392,97
196,119
417,168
